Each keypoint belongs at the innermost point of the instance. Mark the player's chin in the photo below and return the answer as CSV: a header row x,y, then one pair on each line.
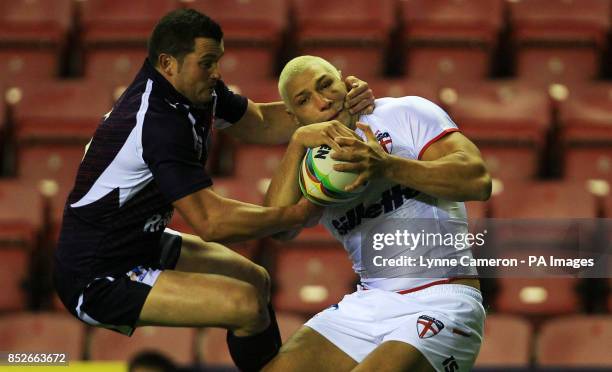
x,y
205,96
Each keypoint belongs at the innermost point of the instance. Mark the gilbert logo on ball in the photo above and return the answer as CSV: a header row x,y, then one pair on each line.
x,y
320,183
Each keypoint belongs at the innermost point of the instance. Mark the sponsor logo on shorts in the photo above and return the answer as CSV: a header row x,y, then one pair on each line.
x,y
157,222
428,327
137,274
450,364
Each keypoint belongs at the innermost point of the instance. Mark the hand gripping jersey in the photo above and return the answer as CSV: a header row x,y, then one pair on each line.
x,y
404,127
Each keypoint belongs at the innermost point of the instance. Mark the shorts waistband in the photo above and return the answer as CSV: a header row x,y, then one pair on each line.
x,y
437,287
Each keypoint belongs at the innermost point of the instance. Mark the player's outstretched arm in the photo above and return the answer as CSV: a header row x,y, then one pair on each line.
x,y
218,219
284,189
451,168
269,123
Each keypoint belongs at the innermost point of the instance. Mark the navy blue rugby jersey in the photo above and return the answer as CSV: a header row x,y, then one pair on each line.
x,y
147,152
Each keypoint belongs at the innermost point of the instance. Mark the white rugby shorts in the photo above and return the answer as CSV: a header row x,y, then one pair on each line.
x,y
444,322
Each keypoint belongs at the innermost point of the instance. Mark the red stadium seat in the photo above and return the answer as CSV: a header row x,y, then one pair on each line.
x,y
403,87
115,35
548,200
255,164
14,264
53,168
507,120
118,65
21,220
578,341
21,210
547,52
537,296
351,34
311,272
542,215
42,332
257,91
586,131
506,344
32,37
59,112
213,348
449,39
176,343
554,65
252,32
53,122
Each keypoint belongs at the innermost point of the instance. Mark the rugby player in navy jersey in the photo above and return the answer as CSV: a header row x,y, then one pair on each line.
x,y
117,266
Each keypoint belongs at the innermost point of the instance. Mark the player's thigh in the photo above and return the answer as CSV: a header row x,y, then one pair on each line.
x,y
307,351
214,258
395,356
200,300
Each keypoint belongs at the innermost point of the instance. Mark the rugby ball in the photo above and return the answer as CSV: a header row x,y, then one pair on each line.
x,y
320,183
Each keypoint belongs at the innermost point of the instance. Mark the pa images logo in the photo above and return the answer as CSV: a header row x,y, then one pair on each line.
x,y
428,327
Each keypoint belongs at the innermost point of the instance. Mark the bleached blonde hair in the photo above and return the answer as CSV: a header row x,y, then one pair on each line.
x,y
295,67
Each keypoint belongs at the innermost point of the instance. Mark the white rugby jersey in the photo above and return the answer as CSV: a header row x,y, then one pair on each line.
x,y
405,127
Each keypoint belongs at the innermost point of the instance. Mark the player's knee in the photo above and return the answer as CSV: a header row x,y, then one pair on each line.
x,y
261,281
250,310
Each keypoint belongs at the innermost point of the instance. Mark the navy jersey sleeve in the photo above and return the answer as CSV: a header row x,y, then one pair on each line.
x,y
230,106
170,150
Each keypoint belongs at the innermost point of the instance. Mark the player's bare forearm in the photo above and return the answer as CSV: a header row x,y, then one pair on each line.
x,y
457,176
284,189
269,123
264,123
219,219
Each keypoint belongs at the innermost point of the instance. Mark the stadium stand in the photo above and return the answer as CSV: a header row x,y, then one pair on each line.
x,y
42,332
252,33
404,87
329,30
21,221
508,120
535,221
549,53
267,158
447,39
33,37
114,36
586,131
507,342
53,121
528,81
176,343
310,272
576,341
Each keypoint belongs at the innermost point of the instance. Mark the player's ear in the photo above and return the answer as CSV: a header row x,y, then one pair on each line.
x,y
166,63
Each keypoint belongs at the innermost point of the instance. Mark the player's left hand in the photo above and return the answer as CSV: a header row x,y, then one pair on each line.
x,y
359,99
368,158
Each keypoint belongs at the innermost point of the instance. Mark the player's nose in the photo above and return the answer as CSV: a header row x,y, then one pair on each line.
x,y
215,72
322,102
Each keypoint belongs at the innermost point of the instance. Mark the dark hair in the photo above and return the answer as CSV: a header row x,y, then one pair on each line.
x,y
174,34
152,359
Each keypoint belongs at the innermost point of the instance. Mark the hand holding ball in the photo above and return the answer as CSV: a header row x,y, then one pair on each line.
x,y
320,183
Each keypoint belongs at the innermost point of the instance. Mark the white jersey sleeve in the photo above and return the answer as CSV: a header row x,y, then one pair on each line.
x,y
418,121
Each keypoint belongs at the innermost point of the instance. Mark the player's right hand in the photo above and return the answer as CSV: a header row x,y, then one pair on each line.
x,y
324,133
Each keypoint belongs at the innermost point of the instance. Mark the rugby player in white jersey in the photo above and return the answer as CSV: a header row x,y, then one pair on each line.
x,y
423,170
